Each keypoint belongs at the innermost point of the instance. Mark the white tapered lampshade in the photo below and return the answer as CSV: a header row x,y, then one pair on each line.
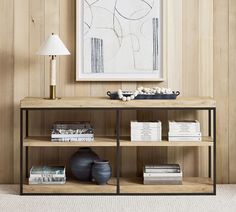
x,y
53,46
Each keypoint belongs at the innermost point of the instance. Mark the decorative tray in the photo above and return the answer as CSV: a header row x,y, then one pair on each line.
x,y
114,95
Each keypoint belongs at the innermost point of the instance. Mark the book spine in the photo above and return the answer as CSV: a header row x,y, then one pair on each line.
x,y
46,175
185,134
150,182
145,125
185,139
72,139
162,170
162,174
72,135
166,166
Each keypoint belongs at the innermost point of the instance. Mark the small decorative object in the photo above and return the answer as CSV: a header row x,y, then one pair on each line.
x,y
53,47
101,171
81,164
144,93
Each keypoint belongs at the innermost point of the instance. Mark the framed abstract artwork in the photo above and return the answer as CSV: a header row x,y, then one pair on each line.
x,y
119,40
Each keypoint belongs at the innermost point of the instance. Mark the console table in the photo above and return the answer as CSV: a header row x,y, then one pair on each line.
x,y
117,185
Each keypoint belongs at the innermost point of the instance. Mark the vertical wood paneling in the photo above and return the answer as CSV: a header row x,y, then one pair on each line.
x,y
232,88
221,86
6,91
51,25
205,71
21,71
190,75
188,61
174,13
36,71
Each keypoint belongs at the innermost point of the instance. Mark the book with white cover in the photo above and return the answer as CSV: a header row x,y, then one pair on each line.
x,y
135,138
167,182
184,134
163,166
162,170
185,138
163,174
144,125
72,135
72,139
184,126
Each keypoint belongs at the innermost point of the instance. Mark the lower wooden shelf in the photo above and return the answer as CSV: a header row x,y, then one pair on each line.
x,y
190,185
71,187
127,186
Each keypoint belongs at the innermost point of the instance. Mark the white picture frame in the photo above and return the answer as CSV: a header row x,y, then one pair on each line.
x,y
92,62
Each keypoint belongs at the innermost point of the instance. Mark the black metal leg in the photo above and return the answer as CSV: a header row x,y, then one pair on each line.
x,y
214,151
21,151
27,149
118,150
209,148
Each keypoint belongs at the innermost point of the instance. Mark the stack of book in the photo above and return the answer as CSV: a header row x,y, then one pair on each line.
x,y
47,175
168,174
184,131
145,131
73,131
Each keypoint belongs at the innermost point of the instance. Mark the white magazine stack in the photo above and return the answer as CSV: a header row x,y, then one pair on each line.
x,y
166,174
72,132
48,175
146,131
184,131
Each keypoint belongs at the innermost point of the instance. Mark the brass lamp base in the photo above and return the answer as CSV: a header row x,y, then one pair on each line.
x,y
53,92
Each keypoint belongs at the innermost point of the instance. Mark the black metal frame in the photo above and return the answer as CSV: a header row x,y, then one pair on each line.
x,y
118,110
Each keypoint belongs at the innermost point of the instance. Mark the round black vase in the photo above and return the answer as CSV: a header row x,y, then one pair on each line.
x,y
101,171
81,164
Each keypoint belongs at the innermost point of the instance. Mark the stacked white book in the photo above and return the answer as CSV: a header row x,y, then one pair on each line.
x,y
47,175
145,131
168,174
184,131
72,131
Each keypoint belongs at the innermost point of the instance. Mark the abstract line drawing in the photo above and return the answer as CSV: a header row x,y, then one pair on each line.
x,y
155,43
120,37
97,55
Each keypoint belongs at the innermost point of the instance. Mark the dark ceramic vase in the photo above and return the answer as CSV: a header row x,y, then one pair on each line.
x,y
101,171
81,164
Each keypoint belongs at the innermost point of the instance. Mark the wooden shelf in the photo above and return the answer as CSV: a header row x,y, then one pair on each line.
x,y
38,141
190,185
111,142
105,102
71,187
206,141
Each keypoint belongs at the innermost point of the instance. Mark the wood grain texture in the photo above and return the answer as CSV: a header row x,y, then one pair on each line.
x,y
44,141
21,71
6,90
188,63
205,72
232,87
72,187
97,102
190,185
221,86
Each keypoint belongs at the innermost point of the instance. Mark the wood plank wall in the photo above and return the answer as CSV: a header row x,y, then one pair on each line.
x,y
199,59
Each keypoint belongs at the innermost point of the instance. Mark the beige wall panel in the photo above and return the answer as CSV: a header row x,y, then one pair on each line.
x,y
205,71
21,71
36,72
190,76
221,83
174,29
6,91
232,88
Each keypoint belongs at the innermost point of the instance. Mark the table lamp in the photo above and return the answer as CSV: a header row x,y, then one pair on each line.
x,y
53,47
